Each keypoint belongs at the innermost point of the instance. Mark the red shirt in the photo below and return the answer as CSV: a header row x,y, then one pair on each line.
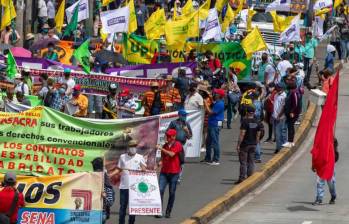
x,y
214,64
7,195
171,164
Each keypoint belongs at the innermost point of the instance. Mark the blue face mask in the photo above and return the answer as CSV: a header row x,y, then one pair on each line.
x,y
183,118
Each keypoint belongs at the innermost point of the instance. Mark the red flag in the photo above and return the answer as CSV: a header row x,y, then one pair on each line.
x,y
323,148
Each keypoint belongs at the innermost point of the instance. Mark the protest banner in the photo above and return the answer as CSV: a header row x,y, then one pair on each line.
x,y
144,193
73,198
44,142
83,12
97,84
195,120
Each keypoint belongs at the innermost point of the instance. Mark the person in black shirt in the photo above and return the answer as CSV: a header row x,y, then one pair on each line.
x,y
250,132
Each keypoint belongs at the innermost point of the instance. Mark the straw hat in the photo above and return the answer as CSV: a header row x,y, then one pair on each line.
x,y
29,36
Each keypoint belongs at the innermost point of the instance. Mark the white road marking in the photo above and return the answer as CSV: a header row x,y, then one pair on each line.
x,y
307,222
304,147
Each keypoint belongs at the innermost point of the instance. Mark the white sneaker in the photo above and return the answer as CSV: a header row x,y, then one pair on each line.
x,y
215,164
236,115
288,145
203,149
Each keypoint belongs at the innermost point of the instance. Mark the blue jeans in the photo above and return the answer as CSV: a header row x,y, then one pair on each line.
x,y
320,185
231,110
171,179
345,48
258,152
307,69
123,207
212,141
280,132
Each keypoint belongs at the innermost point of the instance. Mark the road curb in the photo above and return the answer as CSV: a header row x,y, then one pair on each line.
x,y
223,203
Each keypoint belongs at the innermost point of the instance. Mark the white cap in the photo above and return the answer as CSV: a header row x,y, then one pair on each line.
x,y
330,48
300,65
18,76
26,69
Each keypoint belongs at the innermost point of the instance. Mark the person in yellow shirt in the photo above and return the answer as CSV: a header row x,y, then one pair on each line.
x,y
79,100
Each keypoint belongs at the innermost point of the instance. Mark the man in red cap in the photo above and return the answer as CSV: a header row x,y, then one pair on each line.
x,y
126,104
80,101
216,115
170,168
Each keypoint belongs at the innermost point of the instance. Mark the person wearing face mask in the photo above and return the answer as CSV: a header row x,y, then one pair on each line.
x,y
216,116
194,100
126,104
51,54
110,103
130,160
29,40
184,133
170,168
20,85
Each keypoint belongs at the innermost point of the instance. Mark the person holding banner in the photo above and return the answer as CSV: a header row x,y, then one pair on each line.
x,y
130,160
11,200
170,168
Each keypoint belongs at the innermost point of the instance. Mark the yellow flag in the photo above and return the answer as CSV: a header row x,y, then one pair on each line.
x,y
176,32
9,13
175,16
229,17
203,10
188,8
346,10
154,27
337,3
132,23
103,35
59,18
280,23
250,14
106,2
322,11
240,6
193,24
253,42
220,4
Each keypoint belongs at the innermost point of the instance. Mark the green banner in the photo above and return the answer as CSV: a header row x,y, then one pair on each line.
x,y
140,50
42,141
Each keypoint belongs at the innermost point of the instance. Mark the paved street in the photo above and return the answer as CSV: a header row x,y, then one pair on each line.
x,y
288,199
203,183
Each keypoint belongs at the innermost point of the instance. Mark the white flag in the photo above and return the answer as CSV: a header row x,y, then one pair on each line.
x,y
243,15
115,21
83,10
319,26
212,28
292,33
328,33
320,4
279,5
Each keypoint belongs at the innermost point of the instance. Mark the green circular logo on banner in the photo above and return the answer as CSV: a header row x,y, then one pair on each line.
x,y
143,187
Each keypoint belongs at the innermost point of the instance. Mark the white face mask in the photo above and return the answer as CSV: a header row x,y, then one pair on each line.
x,y
132,150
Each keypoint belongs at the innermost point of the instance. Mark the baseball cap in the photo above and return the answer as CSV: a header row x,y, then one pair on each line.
x,y
77,87
219,92
18,76
171,132
125,92
10,178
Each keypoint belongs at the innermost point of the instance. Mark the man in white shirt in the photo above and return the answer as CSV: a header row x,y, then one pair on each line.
x,y
270,74
279,117
42,14
128,161
69,81
20,85
126,104
283,66
194,100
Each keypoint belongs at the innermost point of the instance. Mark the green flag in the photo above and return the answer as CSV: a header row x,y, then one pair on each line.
x,y
73,22
241,66
11,68
82,54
